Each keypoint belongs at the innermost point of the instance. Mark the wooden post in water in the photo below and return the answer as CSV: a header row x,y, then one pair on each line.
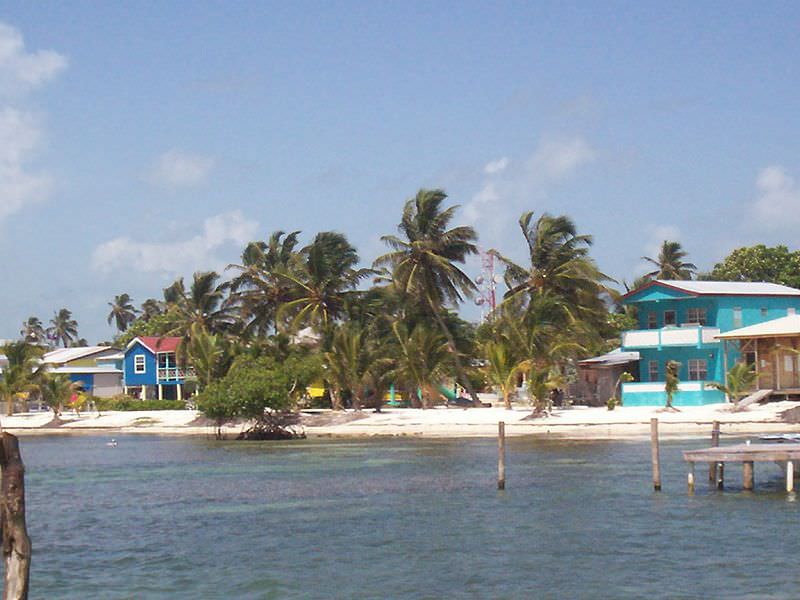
x,y
712,467
16,543
501,455
654,454
789,476
690,479
720,475
747,474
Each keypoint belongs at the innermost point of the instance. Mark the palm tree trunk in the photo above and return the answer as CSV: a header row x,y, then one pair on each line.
x,y
451,343
506,398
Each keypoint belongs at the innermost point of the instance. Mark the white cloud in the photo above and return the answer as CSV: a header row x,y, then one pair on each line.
x,y
496,166
20,70
777,205
178,169
656,236
508,187
179,256
20,135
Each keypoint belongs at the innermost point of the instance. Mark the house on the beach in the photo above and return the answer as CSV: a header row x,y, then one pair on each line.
x,y
773,350
97,369
151,369
683,321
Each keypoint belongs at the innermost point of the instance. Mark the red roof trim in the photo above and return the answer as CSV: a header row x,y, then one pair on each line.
x,y
158,344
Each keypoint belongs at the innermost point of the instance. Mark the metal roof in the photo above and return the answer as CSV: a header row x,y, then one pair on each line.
x,y
87,370
615,357
723,288
782,327
65,355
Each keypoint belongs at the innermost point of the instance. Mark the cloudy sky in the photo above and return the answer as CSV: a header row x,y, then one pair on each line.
x,y
139,143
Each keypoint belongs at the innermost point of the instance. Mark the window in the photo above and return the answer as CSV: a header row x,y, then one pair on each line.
x,y
764,311
698,369
737,316
696,316
750,358
652,370
669,318
139,364
652,322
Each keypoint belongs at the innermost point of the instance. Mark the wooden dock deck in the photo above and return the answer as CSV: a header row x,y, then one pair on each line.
x,y
747,454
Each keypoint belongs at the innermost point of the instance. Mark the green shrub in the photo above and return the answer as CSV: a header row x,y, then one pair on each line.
x,y
127,403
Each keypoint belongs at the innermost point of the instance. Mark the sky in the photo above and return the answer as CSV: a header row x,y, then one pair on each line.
x,y
140,143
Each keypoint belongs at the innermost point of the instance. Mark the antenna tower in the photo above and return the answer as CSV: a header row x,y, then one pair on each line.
x,y
487,285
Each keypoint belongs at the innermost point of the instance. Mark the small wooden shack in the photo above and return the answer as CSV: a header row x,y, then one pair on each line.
x,y
773,347
597,377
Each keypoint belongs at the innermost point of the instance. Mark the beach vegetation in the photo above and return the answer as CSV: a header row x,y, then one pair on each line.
x,y
776,264
671,382
741,380
63,328
24,373
670,263
122,313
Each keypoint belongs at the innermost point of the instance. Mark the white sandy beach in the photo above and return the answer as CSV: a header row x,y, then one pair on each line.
x,y
578,422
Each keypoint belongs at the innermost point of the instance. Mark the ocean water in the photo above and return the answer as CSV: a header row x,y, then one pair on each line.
x,y
161,517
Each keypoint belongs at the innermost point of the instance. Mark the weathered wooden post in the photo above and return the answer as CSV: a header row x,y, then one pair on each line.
x,y
712,467
16,543
690,479
720,475
747,474
501,455
654,454
789,476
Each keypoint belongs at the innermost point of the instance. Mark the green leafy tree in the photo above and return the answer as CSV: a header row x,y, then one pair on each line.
x,y
63,328
123,312
56,391
209,355
203,303
425,260
741,379
151,308
671,382
24,372
670,263
759,263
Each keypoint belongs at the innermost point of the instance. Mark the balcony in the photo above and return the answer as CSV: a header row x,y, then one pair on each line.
x,y
166,374
687,335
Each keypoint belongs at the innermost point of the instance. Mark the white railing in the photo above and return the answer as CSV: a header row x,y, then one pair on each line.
x,y
670,336
174,373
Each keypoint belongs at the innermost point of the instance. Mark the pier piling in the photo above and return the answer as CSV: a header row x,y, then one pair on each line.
x,y
654,454
712,467
690,479
501,455
747,474
789,476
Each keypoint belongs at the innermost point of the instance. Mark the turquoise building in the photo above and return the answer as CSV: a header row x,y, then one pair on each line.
x,y
680,321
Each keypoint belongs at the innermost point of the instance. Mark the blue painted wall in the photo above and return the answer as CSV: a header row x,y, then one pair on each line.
x,y
132,378
87,379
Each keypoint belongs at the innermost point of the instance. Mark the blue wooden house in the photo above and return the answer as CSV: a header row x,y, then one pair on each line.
x,y
681,321
151,369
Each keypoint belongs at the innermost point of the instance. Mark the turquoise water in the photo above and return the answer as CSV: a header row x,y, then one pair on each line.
x,y
161,517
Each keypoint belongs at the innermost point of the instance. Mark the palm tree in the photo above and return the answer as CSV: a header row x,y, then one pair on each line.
x,y
151,308
123,313
423,357
503,367
740,380
670,264
23,374
207,353
64,328
33,331
56,391
259,288
671,382
424,263
323,281
560,269
203,303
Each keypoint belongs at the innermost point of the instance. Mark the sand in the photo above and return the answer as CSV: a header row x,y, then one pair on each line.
x,y
573,422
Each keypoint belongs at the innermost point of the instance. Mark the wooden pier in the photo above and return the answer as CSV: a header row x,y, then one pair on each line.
x,y
748,455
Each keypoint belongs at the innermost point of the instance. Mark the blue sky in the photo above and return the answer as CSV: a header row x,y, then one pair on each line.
x,y
139,143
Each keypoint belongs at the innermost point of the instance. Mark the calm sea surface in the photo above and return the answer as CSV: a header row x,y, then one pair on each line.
x,y
161,517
